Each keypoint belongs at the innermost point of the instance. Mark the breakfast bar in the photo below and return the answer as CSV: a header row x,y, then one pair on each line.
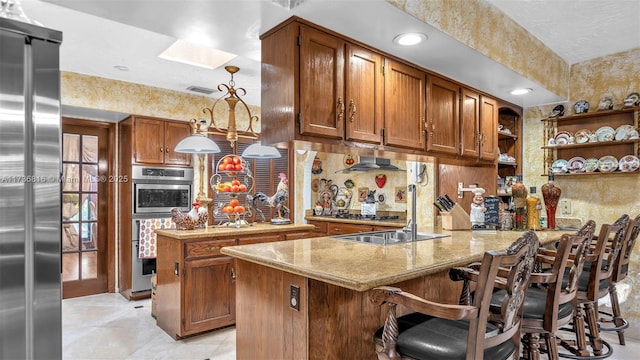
x,y
308,298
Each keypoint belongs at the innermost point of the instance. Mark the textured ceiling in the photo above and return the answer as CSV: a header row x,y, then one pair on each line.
x,y
578,30
100,34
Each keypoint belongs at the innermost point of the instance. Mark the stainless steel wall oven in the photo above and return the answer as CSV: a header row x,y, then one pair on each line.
x,y
155,191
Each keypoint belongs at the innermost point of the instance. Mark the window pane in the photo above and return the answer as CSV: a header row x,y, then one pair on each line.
x,y
70,267
71,174
89,208
70,207
70,238
89,149
89,174
71,147
89,236
89,265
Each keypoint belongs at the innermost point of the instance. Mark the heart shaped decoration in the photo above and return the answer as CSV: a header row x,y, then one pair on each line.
x,y
381,179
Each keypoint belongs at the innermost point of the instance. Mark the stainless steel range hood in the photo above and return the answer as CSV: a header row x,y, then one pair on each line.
x,y
371,163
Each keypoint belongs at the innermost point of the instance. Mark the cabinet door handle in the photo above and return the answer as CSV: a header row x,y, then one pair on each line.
x,y
176,269
340,108
161,149
352,110
212,248
233,275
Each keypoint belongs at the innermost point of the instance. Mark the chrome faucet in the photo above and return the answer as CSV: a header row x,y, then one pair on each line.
x,y
412,225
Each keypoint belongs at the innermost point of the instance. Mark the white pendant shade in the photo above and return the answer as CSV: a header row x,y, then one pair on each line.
x,y
259,151
197,144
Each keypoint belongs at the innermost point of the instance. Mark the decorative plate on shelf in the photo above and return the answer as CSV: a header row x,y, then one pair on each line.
x,y
582,136
576,165
632,99
607,163
624,132
606,103
605,133
563,138
559,166
557,111
591,165
629,163
581,106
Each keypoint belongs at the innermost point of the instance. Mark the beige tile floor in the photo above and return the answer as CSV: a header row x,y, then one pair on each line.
x,y
107,326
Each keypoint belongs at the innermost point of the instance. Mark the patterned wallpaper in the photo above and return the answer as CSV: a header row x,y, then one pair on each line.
x,y
112,95
486,29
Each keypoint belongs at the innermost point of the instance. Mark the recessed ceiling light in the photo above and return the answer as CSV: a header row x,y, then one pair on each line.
x,y
409,39
198,55
121,67
521,91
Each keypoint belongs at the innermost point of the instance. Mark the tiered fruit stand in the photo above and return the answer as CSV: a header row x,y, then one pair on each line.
x,y
233,178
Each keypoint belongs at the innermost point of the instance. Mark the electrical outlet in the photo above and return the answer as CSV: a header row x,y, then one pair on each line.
x,y
565,206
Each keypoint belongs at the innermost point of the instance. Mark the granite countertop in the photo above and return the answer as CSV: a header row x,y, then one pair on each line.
x,y
362,266
393,223
213,231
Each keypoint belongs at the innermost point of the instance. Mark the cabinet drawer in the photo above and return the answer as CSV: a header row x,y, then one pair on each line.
x,y
302,235
259,239
341,229
207,248
320,227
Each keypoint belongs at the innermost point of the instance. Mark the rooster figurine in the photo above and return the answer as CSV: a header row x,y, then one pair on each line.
x,y
277,201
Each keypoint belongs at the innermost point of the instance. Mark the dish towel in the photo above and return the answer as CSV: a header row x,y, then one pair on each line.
x,y
147,247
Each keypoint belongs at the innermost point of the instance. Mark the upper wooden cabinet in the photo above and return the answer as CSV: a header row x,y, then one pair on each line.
x,y
364,90
154,141
488,128
320,87
442,125
404,106
322,101
470,123
478,126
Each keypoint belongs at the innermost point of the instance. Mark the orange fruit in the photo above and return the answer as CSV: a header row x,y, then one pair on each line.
x,y
235,182
238,209
227,209
234,202
242,188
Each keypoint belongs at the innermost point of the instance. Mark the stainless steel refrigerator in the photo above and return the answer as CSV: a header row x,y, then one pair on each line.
x,y
30,192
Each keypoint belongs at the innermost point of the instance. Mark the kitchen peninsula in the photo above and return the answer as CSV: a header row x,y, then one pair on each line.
x,y
196,282
308,298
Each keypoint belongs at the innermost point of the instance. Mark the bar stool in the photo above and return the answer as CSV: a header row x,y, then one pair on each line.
x,y
438,331
593,284
548,304
621,269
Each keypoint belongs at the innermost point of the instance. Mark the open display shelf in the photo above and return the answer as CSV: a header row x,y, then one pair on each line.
x,y
618,145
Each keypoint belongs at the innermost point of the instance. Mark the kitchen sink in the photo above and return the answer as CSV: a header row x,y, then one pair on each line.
x,y
387,237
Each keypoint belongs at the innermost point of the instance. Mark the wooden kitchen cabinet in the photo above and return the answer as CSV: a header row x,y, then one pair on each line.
x,y
196,282
196,285
209,294
470,124
322,101
364,94
488,128
342,228
443,123
154,141
319,227
404,106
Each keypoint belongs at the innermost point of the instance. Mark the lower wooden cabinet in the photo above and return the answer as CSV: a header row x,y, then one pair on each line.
x,y
341,228
209,294
196,290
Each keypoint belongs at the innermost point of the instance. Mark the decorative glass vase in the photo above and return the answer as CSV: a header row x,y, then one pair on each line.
x,y
519,194
551,194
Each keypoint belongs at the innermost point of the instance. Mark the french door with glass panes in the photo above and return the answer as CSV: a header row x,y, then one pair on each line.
x,y
85,189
